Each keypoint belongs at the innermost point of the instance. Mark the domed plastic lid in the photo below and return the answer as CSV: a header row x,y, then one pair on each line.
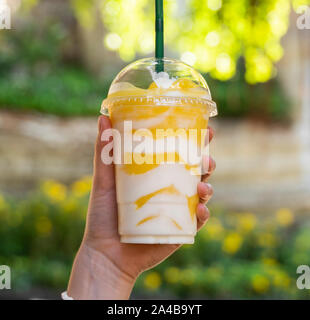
x,y
177,84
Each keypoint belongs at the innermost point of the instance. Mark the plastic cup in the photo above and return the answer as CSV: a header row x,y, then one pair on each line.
x,y
159,125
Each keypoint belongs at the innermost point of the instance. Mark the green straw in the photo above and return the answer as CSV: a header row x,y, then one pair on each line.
x,y
159,28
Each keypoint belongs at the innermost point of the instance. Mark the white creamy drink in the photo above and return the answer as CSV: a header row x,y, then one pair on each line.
x,y
162,120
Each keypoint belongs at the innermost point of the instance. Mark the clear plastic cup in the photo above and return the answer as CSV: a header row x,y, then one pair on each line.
x,y
159,122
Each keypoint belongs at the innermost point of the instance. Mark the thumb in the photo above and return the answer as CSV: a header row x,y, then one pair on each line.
x,y
103,173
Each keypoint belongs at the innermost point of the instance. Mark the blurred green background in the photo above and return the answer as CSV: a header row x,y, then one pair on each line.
x,y
237,255
56,65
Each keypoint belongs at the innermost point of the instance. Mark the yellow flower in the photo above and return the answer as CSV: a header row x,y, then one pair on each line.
x,y
172,275
152,280
214,229
285,217
82,187
267,239
260,283
55,191
247,222
232,243
70,205
43,225
270,261
281,280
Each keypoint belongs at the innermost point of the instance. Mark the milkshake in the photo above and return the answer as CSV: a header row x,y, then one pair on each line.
x,y
160,121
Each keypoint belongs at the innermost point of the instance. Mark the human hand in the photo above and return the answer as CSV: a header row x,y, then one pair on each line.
x,y
104,267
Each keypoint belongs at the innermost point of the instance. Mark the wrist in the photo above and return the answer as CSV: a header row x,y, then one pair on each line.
x,y
95,277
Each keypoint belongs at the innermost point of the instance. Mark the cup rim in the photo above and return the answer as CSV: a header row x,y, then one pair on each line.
x,y
158,100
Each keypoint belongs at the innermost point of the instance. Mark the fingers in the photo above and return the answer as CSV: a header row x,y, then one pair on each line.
x,y
205,192
208,165
203,214
211,134
103,171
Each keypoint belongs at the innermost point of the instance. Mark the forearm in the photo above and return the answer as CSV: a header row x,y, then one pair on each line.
x,y
95,277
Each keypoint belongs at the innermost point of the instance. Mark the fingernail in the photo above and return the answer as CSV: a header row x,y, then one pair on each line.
x,y
212,165
209,188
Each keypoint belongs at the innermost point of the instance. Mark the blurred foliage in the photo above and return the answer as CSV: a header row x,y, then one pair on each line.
x,y
45,47
62,91
264,101
37,78
210,35
237,255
